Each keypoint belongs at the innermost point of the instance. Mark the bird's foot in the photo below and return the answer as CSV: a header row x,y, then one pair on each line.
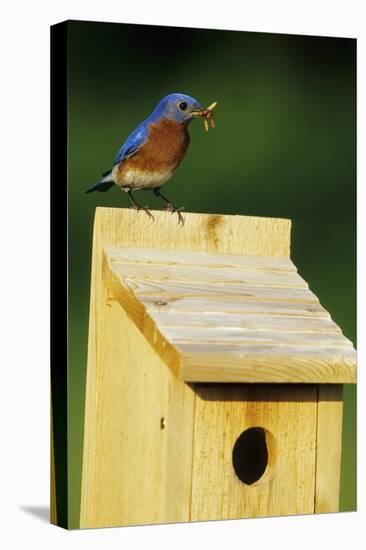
x,y
138,207
171,208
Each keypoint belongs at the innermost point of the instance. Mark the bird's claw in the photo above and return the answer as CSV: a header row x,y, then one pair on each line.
x,y
138,207
171,208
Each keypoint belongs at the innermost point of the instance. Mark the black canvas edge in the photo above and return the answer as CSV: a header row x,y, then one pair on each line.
x,y
211,29
59,267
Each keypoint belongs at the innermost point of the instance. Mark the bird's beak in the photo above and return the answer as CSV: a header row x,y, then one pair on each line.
x,y
206,114
198,112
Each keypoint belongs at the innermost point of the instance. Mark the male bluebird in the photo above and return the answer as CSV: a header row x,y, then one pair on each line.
x,y
154,150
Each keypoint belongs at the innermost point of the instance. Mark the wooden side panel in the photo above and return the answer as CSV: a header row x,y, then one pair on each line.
x,y
222,413
138,450
329,448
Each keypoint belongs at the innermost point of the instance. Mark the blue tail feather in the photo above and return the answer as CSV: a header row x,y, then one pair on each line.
x,y
103,185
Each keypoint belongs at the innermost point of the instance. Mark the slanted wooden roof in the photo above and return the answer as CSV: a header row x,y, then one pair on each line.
x,y
218,317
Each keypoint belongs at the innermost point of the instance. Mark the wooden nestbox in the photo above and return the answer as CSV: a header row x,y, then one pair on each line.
x,y
214,377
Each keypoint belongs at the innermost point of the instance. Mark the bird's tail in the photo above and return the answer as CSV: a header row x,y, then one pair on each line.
x,y
103,184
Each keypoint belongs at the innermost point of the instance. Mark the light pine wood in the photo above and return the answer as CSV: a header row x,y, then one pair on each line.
x,y
248,319
289,323
113,481
212,274
329,448
135,470
251,364
254,336
241,235
197,290
222,305
222,413
199,258
217,300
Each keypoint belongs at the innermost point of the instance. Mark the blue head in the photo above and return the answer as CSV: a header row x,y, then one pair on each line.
x,y
178,107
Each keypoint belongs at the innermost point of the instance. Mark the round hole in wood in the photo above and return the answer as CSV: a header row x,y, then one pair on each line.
x,y
253,454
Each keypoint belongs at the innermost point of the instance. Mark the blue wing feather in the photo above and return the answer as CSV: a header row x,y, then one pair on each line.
x,y
134,141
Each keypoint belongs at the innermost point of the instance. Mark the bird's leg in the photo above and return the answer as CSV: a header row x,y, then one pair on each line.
x,y
138,206
170,206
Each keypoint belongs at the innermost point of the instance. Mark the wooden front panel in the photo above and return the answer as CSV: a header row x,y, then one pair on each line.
x,y
288,414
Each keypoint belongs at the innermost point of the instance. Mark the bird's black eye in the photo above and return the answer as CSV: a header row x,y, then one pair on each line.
x,y
183,105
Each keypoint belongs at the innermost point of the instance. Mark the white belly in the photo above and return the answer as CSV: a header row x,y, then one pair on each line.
x,y
135,179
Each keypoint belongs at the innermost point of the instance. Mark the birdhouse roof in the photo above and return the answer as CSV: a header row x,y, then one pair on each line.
x,y
216,317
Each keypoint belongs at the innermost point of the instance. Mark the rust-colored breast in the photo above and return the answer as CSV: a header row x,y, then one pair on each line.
x,y
165,147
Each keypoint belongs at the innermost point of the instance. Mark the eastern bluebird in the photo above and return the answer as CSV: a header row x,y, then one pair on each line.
x,y
154,150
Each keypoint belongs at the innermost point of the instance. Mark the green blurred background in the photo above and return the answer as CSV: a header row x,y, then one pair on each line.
x,y
284,147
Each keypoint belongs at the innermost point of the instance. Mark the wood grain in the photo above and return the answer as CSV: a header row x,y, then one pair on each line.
x,y
217,300
135,470
230,318
276,365
288,323
213,275
223,412
175,289
244,235
255,336
199,258
107,498
329,448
